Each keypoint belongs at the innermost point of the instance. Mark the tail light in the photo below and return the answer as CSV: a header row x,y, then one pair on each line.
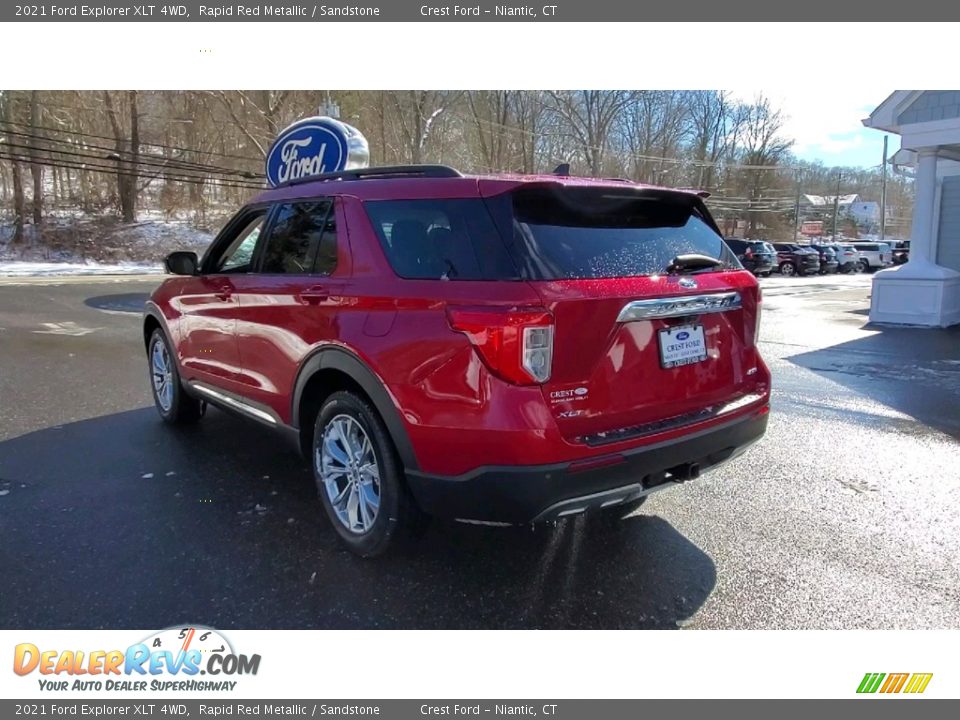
x,y
756,323
516,344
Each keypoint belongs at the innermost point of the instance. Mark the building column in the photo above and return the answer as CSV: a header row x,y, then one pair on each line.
x,y
919,292
924,227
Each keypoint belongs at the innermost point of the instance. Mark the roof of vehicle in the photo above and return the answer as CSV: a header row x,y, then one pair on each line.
x,y
410,182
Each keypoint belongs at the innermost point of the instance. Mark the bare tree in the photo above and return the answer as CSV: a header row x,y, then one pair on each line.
x,y
36,167
19,203
588,116
416,112
127,155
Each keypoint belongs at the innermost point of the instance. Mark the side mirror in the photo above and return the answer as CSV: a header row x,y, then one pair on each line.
x,y
182,263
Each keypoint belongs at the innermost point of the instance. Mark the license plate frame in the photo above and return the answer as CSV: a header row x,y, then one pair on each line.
x,y
673,357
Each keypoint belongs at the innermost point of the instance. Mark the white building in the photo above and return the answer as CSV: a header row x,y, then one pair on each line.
x,y
824,203
865,213
925,290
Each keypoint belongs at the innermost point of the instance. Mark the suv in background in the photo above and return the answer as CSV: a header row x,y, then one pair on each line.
x,y
793,259
755,255
847,257
501,349
873,255
901,252
828,258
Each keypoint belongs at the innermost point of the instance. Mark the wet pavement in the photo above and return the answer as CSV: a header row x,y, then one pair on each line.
x,y
846,515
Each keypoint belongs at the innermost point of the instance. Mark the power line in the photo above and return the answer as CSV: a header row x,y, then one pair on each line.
x,y
147,160
112,170
172,161
127,140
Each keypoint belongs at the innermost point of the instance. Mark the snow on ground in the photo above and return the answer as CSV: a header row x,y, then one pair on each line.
x,y
26,268
79,245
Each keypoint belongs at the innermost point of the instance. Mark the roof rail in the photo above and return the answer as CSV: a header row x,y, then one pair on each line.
x,y
385,171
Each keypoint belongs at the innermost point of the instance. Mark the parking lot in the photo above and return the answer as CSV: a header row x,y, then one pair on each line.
x,y
846,515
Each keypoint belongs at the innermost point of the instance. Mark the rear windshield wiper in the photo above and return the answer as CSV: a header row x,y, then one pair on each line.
x,y
692,263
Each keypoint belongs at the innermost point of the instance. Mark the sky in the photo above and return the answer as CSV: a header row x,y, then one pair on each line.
x,y
825,123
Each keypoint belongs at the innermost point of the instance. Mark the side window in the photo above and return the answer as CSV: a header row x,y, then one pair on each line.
x,y
303,239
237,256
441,239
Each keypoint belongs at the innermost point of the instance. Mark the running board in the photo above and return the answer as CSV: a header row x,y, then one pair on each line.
x,y
231,403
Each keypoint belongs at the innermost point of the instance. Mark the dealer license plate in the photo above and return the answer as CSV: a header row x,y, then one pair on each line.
x,y
682,345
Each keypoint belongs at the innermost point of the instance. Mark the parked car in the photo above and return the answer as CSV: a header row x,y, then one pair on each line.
x,y
828,258
499,349
793,259
755,255
848,258
901,252
874,256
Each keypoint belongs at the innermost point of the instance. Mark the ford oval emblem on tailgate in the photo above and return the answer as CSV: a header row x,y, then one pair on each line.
x,y
688,282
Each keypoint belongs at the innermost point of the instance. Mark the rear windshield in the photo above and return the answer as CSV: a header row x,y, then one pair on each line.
x,y
566,233
543,234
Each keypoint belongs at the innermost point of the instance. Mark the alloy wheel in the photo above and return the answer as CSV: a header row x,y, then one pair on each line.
x,y
347,466
161,373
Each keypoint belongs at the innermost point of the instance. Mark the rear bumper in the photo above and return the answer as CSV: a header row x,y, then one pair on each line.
x,y
522,494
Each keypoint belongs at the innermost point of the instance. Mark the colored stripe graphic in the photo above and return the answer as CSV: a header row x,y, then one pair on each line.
x,y
918,682
894,682
870,682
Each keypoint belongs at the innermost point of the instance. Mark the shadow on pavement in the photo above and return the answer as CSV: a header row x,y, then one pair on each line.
x,y
118,302
120,521
913,370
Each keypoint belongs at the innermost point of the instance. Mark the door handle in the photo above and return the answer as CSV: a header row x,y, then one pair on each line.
x,y
314,295
224,294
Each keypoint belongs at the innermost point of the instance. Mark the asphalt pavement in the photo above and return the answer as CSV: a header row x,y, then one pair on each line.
x,y
846,515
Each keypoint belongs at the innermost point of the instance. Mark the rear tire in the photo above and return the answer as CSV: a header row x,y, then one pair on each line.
x,y
787,269
360,478
173,403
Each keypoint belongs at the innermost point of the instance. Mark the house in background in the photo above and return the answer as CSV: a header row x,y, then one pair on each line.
x,y
865,213
824,203
925,290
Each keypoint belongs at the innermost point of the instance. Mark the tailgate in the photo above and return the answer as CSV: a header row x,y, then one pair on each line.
x,y
619,362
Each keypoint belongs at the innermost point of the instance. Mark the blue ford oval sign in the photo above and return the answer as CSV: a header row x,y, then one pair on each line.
x,y
683,335
314,146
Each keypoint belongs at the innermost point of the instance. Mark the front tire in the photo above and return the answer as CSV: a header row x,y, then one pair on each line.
x,y
172,402
359,476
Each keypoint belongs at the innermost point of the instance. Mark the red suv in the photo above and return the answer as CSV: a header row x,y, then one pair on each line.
x,y
503,349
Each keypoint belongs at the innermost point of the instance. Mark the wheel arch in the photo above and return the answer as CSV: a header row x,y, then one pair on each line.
x,y
330,369
152,320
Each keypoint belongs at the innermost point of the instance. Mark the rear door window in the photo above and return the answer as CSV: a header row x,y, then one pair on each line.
x,y
301,240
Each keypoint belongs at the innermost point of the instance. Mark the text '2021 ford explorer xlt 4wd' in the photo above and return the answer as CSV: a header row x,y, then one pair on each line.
x,y
501,349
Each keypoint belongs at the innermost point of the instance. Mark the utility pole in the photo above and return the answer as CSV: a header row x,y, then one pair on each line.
x,y
330,108
883,190
836,207
796,211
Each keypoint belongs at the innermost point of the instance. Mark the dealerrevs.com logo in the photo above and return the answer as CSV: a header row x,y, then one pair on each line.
x,y
893,683
176,659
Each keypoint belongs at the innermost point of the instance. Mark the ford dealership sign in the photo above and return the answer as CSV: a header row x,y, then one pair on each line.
x,y
313,146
